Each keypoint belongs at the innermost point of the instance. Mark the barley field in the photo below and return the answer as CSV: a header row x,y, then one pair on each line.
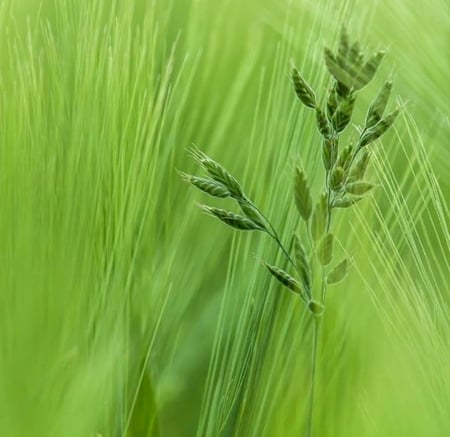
x,y
125,310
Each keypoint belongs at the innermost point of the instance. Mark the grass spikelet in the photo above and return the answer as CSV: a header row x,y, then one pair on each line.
x,y
236,221
303,90
338,273
378,106
359,187
325,249
302,264
285,279
303,199
207,185
218,173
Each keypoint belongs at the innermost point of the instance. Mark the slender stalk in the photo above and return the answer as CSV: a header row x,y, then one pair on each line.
x,y
316,332
273,233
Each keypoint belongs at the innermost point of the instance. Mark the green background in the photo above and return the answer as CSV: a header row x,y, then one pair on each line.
x,y
124,310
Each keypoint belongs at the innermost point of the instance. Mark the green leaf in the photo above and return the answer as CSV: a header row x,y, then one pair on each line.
x,y
144,420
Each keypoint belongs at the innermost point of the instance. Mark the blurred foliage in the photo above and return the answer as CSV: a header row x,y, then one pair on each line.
x,y
110,275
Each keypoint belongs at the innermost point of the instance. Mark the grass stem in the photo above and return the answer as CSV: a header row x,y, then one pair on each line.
x,y
316,332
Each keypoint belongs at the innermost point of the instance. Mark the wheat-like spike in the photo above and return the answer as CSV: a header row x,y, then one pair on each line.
x,y
287,280
231,219
218,173
378,106
207,185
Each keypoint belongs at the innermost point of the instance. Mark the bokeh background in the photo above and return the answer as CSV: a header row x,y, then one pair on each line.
x,y
125,311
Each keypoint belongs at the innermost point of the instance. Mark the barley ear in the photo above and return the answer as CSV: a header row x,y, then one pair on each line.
x,y
302,193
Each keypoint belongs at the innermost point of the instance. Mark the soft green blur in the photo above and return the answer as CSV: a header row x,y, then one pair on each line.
x,y
125,311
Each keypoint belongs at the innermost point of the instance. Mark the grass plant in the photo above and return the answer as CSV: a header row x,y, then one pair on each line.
x,y
344,184
124,312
